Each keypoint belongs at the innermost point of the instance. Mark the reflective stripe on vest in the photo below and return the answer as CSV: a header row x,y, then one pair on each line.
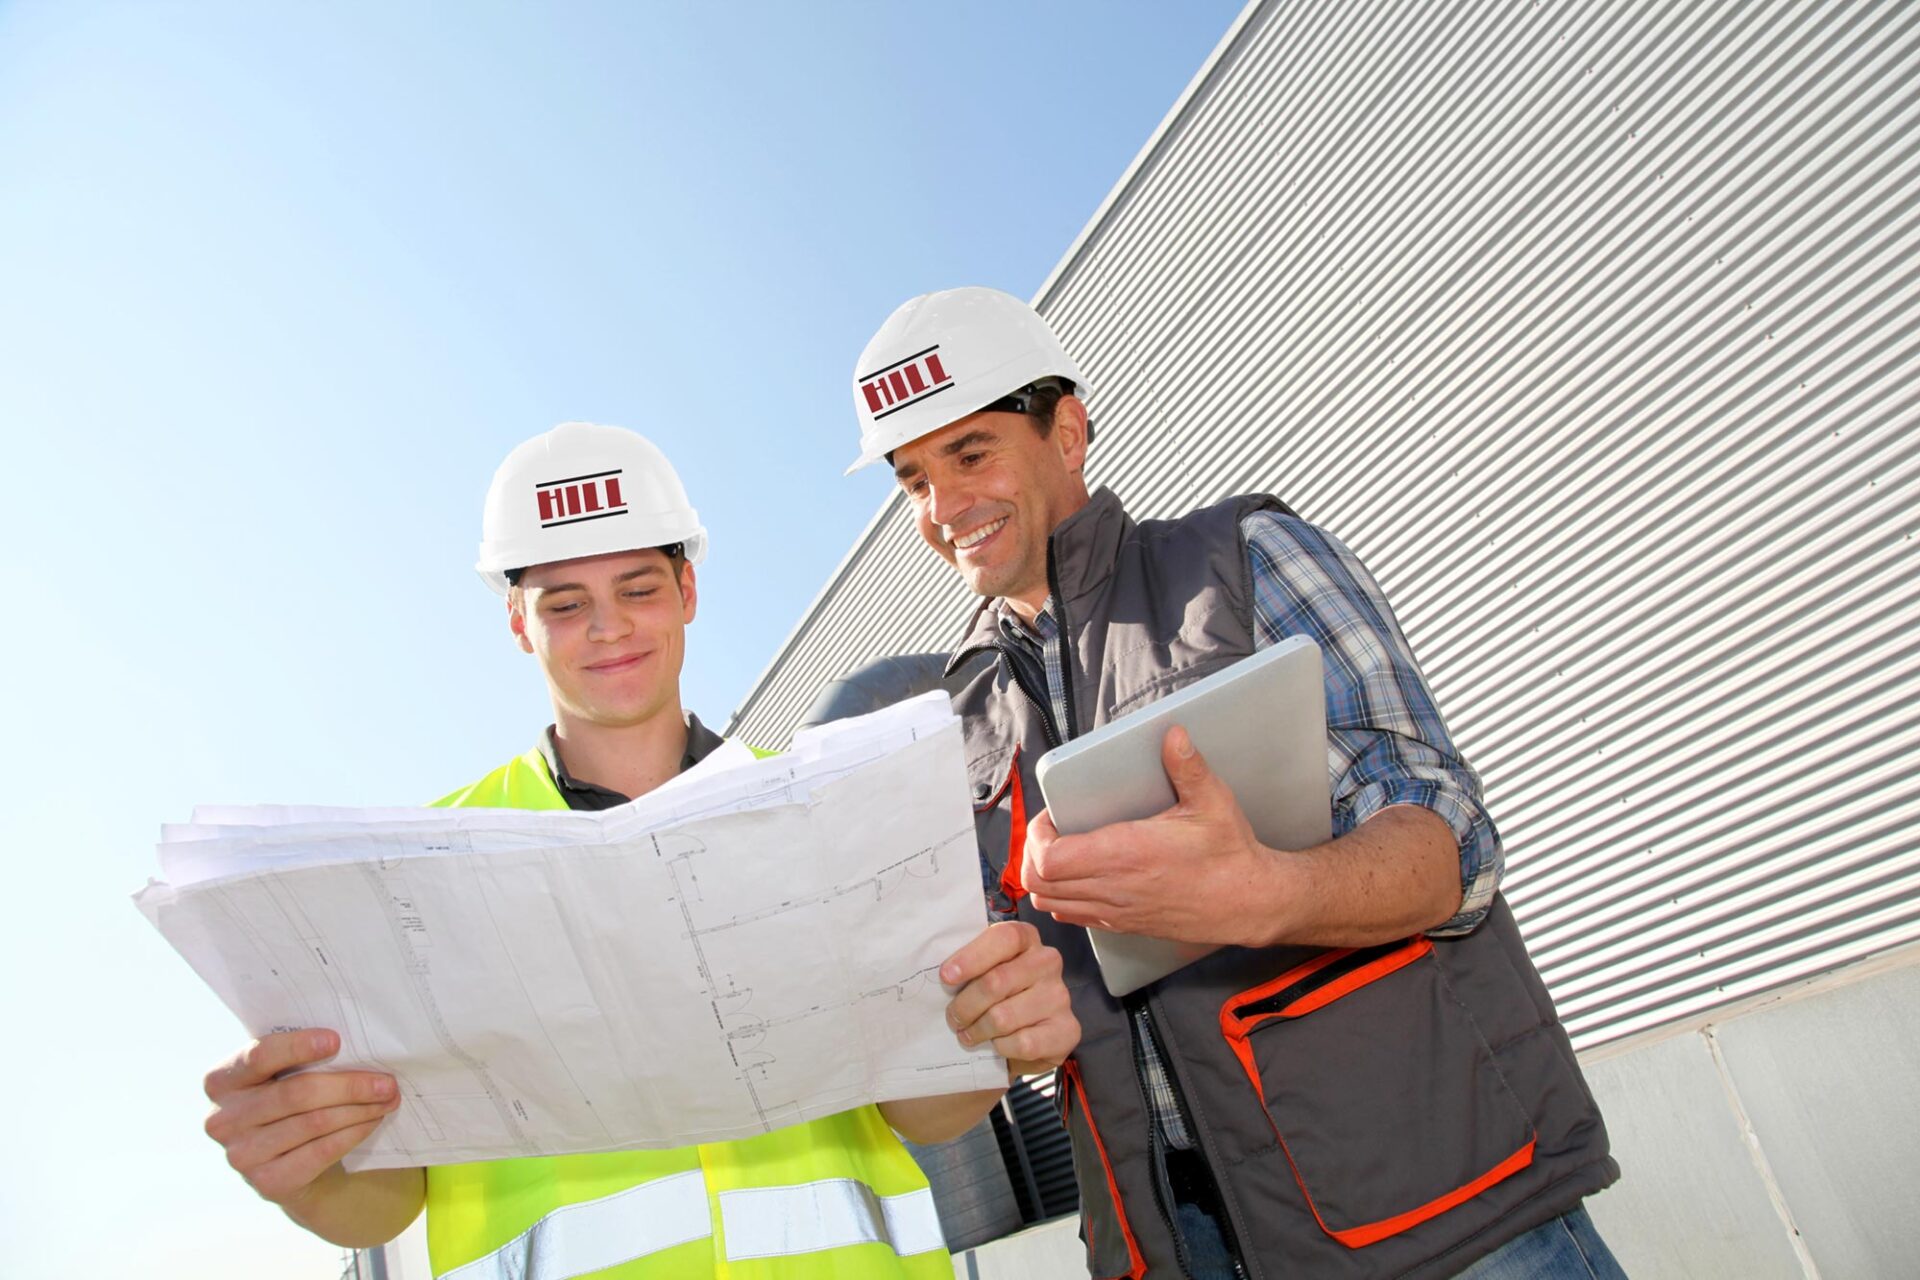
x,y
771,1222
579,1239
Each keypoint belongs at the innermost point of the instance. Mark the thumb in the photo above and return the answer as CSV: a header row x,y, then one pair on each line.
x,y
1041,834
1186,767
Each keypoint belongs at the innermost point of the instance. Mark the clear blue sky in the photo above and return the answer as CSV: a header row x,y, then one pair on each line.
x,y
280,285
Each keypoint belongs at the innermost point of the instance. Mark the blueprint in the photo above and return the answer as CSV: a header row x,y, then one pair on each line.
x,y
753,945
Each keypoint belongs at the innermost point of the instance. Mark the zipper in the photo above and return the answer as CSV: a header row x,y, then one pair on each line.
x,y
1228,1230
1064,640
1162,1190
1038,704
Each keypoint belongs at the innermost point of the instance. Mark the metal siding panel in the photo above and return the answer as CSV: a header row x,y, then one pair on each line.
x,y
1594,330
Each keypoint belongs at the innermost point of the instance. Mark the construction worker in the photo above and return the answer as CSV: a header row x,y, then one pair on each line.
x,y
590,537
1369,1078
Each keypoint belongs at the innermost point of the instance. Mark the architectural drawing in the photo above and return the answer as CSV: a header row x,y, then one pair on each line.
x,y
760,949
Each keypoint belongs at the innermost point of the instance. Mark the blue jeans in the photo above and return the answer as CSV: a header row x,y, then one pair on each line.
x,y
1207,1256
1567,1248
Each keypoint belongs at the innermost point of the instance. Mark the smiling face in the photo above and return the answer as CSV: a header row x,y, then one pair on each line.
x,y
609,632
989,489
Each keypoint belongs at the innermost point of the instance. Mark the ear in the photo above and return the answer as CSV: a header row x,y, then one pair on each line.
x,y
517,618
1070,431
689,594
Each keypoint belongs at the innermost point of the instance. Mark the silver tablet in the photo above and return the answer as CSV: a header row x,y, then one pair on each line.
x,y
1262,726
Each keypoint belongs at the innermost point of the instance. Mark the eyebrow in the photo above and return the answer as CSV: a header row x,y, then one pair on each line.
x,y
978,436
644,571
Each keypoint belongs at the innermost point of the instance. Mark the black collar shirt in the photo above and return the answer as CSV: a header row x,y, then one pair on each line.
x,y
701,743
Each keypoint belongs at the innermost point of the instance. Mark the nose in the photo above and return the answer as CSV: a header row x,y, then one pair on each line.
x,y
608,625
947,502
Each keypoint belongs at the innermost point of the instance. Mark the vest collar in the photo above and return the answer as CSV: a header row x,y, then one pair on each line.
x,y
1083,548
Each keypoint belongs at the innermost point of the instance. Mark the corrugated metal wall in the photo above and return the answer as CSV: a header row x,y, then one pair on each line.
x,y
1594,328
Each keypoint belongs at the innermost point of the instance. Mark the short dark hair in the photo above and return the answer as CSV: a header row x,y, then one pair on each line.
x,y
1043,397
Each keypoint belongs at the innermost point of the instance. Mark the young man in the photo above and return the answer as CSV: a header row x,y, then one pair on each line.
x,y
1369,1078
589,535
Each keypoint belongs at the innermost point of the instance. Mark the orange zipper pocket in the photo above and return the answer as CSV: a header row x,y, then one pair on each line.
x,y
1380,1088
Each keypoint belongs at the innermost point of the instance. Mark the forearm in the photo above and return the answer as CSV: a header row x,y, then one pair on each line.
x,y
1395,875
1388,743
360,1210
930,1120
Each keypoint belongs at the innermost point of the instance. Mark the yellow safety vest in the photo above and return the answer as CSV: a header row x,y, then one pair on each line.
x,y
838,1197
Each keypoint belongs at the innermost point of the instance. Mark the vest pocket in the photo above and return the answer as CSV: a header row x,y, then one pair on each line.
x,y
1111,1250
1380,1088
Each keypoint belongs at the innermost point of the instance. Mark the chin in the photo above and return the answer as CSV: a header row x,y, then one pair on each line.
x,y
619,715
980,584
992,580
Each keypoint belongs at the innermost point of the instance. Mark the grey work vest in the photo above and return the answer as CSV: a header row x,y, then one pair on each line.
x,y
1392,1111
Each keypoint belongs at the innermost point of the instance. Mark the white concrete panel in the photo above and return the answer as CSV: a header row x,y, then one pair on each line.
x,y
404,1257
1690,1203
1828,1084
1050,1251
407,1256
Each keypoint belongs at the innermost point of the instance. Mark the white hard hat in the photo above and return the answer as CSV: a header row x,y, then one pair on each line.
x,y
583,490
942,356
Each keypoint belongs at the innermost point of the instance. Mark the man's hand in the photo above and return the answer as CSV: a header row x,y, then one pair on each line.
x,y
1194,872
1011,994
282,1134
285,1135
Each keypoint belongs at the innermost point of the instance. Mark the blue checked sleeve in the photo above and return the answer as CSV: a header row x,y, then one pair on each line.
x,y
1386,742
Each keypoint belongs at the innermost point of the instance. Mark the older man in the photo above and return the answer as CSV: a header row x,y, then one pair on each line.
x,y
1368,1079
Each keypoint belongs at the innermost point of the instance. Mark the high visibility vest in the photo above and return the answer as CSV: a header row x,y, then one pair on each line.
x,y
837,1197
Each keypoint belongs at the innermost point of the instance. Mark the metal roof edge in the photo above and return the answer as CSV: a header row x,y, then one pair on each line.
x,y
1152,144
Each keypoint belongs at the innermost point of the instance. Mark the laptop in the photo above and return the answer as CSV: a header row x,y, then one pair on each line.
x,y
1262,726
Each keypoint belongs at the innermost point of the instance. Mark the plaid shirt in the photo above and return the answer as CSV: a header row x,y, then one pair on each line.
x,y
1386,742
